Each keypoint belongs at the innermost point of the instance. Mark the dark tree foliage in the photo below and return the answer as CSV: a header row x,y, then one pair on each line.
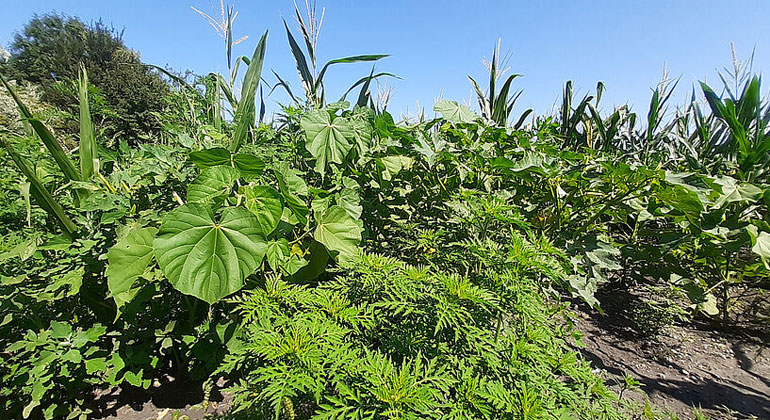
x,y
51,47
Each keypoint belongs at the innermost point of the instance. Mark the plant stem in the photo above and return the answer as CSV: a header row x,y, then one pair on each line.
x,y
726,293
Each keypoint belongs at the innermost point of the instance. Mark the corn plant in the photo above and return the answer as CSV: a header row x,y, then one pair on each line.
x,y
313,79
89,165
496,105
243,109
746,140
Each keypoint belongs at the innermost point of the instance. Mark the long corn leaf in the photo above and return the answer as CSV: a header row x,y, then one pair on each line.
x,y
53,146
299,58
87,148
352,59
246,113
43,198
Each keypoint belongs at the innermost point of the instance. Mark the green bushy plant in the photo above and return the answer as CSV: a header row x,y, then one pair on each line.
x,y
50,50
388,340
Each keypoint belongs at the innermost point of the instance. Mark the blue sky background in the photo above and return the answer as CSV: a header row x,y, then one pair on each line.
x,y
435,44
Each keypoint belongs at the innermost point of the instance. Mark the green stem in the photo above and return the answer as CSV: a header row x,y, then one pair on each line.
x,y
726,293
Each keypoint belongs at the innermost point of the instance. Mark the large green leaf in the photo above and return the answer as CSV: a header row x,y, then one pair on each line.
x,y
350,199
128,259
762,247
293,189
455,112
205,258
326,139
265,202
339,233
210,157
248,165
212,185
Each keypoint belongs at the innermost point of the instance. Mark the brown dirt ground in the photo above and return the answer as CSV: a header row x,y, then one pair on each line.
x,y
727,375
166,401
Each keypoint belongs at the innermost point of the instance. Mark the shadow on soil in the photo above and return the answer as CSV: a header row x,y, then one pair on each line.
x,y
620,350
171,394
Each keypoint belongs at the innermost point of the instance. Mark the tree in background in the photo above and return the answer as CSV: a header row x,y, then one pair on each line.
x,y
48,52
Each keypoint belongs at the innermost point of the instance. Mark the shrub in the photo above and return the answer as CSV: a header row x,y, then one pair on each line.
x,y
51,47
389,340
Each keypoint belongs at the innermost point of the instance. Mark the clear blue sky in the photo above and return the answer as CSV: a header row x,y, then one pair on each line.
x,y
435,44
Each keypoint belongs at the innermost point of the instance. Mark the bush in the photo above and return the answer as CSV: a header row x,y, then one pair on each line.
x,y
388,340
49,50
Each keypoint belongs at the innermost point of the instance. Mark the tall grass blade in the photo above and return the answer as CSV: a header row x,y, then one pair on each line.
x,y
87,148
522,118
245,115
363,96
566,106
53,146
41,195
299,58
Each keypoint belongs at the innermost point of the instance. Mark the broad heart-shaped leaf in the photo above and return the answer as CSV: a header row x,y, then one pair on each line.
x,y
248,165
734,191
455,112
128,259
392,165
328,141
212,185
339,233
210,157
205,258
265,202
683,200
350,199
293,188
277,252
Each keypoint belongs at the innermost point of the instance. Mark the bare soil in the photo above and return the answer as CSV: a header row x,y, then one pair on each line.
x,y
170,400
726,373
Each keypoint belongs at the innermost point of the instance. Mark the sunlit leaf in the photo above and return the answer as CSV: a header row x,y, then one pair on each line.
x,y
206,258
127,260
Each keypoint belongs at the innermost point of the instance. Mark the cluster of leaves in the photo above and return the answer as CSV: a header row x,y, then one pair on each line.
x,y
470,230
612,214
49,51
129,237
389,340
49,281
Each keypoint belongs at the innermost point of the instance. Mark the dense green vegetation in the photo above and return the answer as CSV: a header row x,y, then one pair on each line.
x,y
335,263
125,93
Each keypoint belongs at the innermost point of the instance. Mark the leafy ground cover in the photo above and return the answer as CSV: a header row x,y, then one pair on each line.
x,y
335,263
